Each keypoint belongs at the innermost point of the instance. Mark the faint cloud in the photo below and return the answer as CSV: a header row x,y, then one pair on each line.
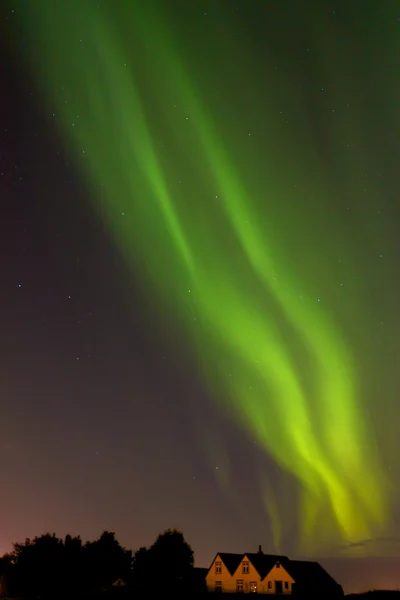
x,y
370,542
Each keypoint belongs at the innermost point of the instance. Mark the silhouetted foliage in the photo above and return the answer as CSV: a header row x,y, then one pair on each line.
x,y
48,566
141,566
106,561
172,556
7,573
168,562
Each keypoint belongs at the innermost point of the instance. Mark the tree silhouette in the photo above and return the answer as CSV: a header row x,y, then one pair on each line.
x,y
106,560
38,565
168,563
141,566
73,571
49,567
7,574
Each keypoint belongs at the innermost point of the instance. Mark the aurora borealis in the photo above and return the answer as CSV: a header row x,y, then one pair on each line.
x,y
234,157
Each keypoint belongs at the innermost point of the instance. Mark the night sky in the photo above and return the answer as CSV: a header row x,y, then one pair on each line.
x,y
199,249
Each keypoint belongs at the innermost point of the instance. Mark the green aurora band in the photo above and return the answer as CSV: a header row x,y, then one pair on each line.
x,y
213,261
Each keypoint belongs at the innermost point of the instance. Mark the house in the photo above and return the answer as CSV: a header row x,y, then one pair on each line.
x,y
119,583
268,574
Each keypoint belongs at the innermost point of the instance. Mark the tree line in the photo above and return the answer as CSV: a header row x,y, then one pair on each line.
x,y
48,566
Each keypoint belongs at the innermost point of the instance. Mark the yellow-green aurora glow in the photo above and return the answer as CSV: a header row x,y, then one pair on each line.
x,y
217,257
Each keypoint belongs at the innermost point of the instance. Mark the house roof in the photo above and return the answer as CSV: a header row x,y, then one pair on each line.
x,y
231,561
263,563
304,572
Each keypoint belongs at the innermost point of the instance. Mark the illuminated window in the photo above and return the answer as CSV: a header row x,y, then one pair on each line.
x,y
253,587
245,566
218,568
286,585
239,585
270,585
218,586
